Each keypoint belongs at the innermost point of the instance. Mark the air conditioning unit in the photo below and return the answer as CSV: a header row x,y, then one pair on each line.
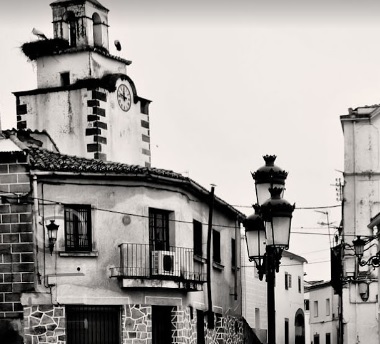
x,y
164,263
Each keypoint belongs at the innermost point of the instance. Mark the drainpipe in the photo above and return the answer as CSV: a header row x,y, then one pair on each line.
x,y
210,317
237,261
35,227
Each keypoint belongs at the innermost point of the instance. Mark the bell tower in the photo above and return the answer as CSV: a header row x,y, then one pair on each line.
x,y
81,23
84,98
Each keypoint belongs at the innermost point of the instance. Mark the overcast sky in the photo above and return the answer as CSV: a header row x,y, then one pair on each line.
x,y
230,82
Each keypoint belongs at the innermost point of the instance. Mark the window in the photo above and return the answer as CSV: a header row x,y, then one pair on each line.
x,y
197,238
78,227
233,253
307,305
161,324
288,281
216,246
328,338
65,78
315,308
97,30
286,331
299,284
257,318
69,28
159,229
316,339
200,327
327,306
93,324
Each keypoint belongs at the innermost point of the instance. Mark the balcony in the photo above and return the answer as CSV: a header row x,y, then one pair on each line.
x,y
142,267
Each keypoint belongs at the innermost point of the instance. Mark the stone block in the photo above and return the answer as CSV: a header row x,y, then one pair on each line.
x,y
23,287
21,208
11,238
10,218
22,248
5,228
17,168
8,178
26,217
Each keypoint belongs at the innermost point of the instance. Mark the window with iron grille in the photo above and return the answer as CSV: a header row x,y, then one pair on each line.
x,y
159,229
197,238
78,227
216,246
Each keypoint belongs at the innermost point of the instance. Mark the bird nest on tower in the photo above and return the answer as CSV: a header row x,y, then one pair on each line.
x,y
45,47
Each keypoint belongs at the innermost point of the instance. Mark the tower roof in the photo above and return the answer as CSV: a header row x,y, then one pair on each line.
x,y
95,2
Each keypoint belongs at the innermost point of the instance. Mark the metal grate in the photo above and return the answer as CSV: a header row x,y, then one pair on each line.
x,y
93,324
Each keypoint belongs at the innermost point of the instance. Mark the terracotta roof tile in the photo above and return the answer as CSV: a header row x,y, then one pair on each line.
x,y
42,159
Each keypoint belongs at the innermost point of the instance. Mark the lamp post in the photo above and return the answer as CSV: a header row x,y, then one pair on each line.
x,y
272,217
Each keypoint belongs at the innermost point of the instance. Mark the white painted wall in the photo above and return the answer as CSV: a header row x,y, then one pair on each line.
x,y
109,231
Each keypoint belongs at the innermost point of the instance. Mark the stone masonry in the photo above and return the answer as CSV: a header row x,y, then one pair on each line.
x,y
16,237
137,324
44,324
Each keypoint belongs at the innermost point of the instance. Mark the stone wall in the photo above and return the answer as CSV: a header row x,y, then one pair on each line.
x,y
44,324
136,324
16,237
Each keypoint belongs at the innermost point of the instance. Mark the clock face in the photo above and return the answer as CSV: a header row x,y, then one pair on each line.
x,y
124,97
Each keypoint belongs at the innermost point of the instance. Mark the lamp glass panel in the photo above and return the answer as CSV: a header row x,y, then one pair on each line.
x,y
359,249
262,191
255,243
278,231
53,233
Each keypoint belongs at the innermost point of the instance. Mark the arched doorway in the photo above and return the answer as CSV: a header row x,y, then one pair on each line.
x,y
299,324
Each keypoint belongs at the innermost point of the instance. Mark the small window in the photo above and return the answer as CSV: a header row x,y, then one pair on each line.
x,y
315,308
327,306
257,318
197,238
216,246
78,227
307,305
233,253
316,339
328,338
65,78
299,284
288,281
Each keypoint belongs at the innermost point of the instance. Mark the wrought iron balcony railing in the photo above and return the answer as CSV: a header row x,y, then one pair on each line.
x,y
143,262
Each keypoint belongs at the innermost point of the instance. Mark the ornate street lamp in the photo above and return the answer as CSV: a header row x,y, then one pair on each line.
x,y
52,230
268,176
274,214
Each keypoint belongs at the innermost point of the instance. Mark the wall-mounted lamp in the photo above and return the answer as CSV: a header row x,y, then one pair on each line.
x,y
359,244
52,230
364,291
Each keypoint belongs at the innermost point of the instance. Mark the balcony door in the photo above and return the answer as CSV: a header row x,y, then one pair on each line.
x,y
159,229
